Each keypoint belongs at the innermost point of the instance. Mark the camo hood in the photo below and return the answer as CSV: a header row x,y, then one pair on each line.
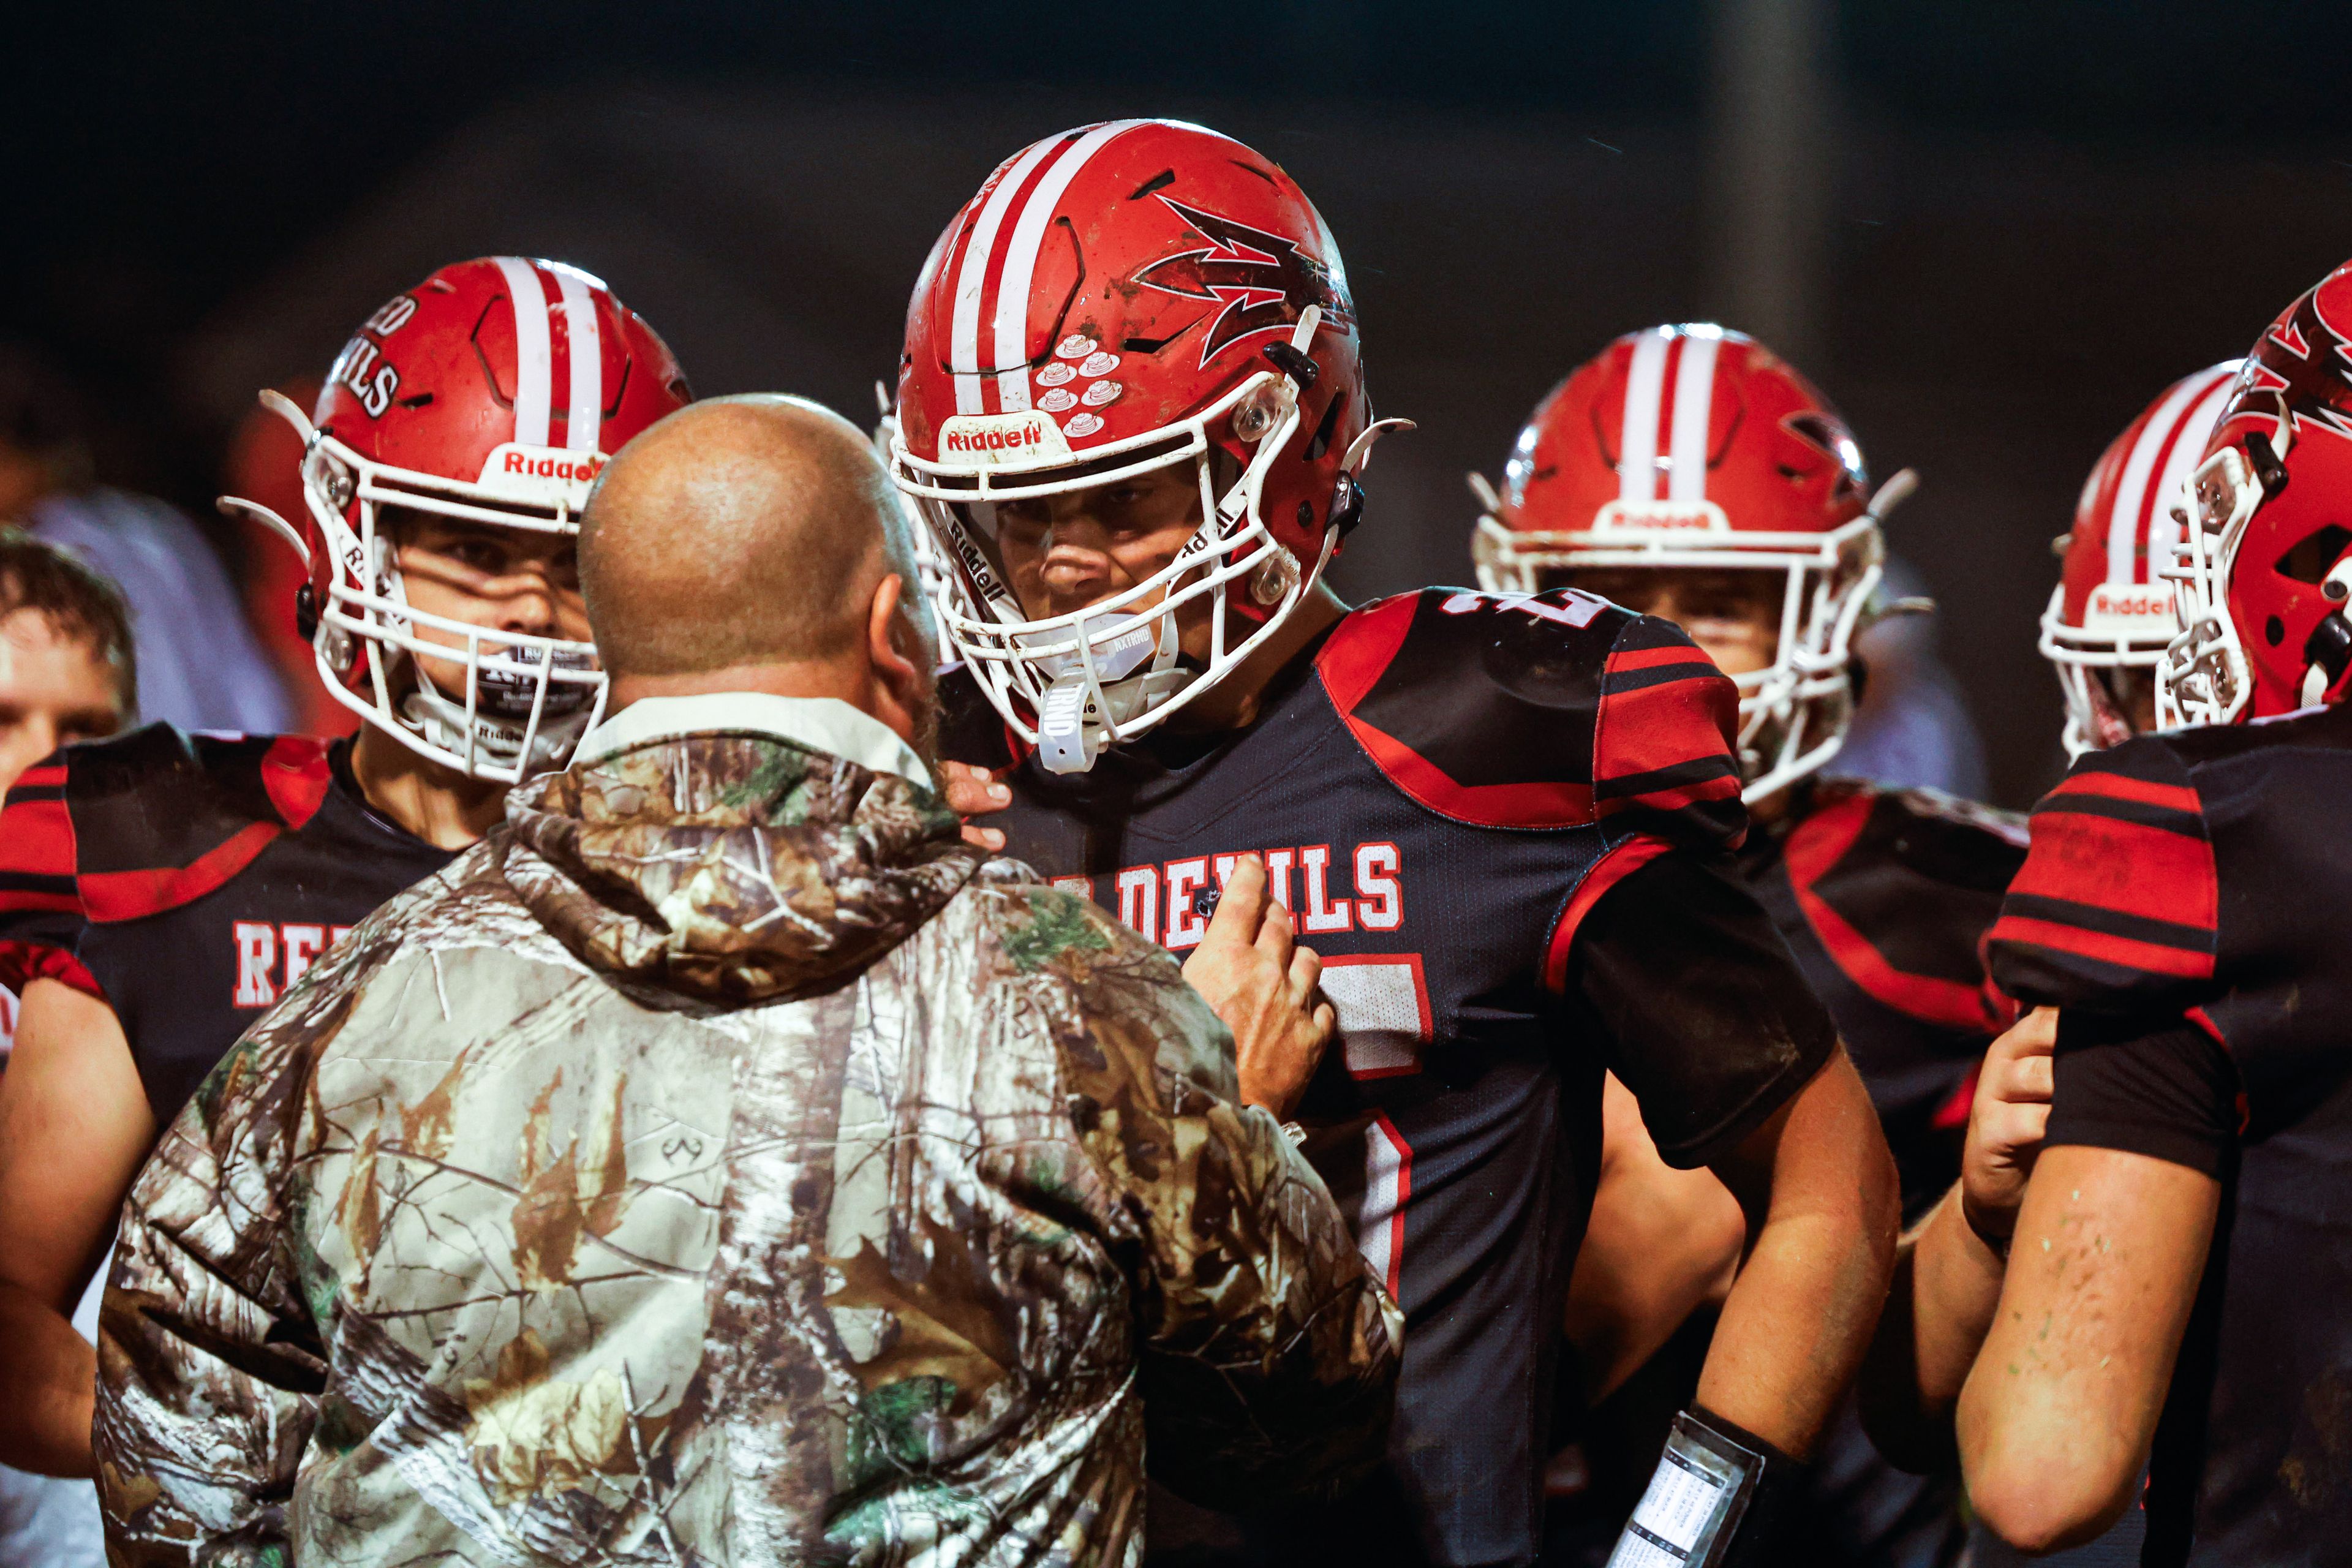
x,y
733,868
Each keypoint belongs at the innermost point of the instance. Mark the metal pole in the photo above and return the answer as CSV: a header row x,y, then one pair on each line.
x,y
1767,168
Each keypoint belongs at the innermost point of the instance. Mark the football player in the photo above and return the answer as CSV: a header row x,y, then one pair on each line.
x,y
2111,615
1132,410
1689,473
2105,629
2176,1280
159,890
66,667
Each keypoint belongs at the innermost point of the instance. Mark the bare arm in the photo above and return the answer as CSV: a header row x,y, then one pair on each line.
x,y
2056,1419
74,1126
1819,1189
1947,1273
1660,1242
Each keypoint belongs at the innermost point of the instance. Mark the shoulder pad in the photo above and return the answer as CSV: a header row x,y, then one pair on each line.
x,y
2118,904
1553,709
148,821
1899,886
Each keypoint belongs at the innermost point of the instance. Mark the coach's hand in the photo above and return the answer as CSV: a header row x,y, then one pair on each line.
x,y
975,792
2005,1126
1254,976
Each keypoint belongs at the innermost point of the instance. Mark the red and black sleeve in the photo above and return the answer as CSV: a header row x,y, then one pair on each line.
x,y
1662,759
2117,907
41,915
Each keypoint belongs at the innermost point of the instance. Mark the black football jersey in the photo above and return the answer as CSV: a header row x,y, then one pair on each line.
x,y
1442,790
1884,895
2205,874
188,881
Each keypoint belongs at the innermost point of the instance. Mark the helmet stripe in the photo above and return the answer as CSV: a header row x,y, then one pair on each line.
x,y
532,370
2128,520
1021,264
971,277
1637,455
1694,404
2188,449
585,407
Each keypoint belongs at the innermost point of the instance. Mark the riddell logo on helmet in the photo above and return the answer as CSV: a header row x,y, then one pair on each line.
x,y
566,466
1003,440
2129,607
1662,516
545,475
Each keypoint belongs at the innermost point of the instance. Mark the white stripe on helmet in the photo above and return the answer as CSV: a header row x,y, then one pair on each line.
x,y
1021,264
971,277
532,370
2139,473
1637,458
1694,404
585,346
2213,387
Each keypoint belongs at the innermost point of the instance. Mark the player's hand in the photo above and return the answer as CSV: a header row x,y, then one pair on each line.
x,y
975,792
1262,983
2005,1125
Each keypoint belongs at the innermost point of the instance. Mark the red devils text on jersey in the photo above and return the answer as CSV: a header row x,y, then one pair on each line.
x,y
1443,791
2202,875
188,881
1884,895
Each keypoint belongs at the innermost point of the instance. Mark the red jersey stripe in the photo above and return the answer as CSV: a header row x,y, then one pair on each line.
x,y
2130,868
1621,861
1813,849
2122,787
130,895
37,839
2123,952
1663,726
1651,658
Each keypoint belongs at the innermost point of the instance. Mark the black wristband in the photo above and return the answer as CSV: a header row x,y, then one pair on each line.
x,y
1720,1499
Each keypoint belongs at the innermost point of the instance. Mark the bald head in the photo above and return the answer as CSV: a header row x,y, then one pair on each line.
x,y
740,532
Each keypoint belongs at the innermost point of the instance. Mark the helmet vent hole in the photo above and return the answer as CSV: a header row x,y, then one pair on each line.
x,y
2309,558
2273,631
1320,442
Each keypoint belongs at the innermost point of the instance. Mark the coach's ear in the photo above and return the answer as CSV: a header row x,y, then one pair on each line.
x,y
901,660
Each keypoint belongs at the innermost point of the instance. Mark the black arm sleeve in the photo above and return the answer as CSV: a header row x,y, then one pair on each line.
x,y
2159,1087
1709,1021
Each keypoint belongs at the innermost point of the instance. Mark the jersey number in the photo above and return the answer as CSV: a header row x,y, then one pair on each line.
x,y
1576,608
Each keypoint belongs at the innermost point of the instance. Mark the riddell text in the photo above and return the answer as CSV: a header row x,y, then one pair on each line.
x,y
1166,902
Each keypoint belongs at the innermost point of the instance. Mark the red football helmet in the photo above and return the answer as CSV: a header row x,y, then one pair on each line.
x,y
446,401
1696,448
2113,608
2263,573
1121,298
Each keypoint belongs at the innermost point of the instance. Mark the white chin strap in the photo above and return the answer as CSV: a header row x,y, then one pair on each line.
x,y
441,721
1098,688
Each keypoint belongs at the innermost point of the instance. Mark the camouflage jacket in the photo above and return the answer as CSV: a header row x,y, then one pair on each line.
x,y
720,1164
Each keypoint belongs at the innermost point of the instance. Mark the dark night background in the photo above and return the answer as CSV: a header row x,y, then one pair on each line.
x,y
1992,230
